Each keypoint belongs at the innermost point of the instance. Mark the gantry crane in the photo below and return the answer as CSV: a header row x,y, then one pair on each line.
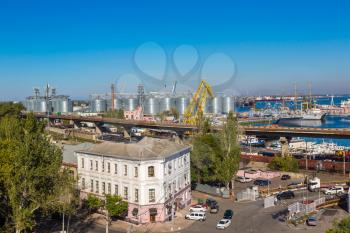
x,y
194,110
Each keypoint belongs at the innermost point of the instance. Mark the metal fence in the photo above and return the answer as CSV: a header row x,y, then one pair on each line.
x,y
305,208
247,195
269,201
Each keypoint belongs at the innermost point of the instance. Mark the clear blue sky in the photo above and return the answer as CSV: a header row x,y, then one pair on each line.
x,y
80,47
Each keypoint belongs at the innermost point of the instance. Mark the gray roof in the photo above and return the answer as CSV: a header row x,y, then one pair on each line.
x,y
146,149
68,152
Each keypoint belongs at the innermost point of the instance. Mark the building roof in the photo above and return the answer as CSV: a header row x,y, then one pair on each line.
x,y
146,149
68,152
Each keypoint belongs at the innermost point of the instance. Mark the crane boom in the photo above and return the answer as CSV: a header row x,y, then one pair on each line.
x,y
195,109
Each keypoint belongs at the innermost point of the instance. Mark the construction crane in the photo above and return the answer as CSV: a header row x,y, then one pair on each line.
x,y
194,110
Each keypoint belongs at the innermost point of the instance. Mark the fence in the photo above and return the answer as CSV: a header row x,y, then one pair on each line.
x,y
305,208
269,201
247,195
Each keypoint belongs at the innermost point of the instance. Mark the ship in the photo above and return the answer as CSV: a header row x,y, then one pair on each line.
x,y
302,117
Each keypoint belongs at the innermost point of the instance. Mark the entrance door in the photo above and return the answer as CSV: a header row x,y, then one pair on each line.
x,y
152,218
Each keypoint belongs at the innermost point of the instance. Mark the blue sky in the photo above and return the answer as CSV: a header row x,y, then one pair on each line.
x,y
80,47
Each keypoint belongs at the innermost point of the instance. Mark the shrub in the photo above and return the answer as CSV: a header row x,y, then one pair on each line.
x,y
286,164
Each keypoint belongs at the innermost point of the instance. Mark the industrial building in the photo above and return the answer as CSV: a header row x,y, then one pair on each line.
x,y
154,104
50,102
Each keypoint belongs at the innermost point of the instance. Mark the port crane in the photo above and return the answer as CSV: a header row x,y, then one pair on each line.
x,y
194,110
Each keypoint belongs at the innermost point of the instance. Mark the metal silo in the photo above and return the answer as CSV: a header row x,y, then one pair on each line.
x,y
61,104
181,104
41,105
228,104
208,106
166,103
151,106
98,105
118,104
130,104
216,105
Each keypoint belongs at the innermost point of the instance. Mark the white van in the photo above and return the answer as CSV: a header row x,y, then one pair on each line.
x,y
199,216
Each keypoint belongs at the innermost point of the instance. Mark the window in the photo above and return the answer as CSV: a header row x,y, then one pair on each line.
x,y
97,188
82,183
109,188
103,187
103,166
185,176
91,165
116,191
125,170
136,172
150,171
126,193
92,186
152,195
82,163
136,195
109,167
115,168
96,165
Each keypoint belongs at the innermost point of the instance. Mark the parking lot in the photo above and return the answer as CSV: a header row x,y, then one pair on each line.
x,y
250,217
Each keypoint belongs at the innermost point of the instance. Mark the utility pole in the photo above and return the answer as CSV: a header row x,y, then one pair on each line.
x,y
107,220
113,96
63,222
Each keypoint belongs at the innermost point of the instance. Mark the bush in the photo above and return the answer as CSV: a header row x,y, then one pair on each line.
x,y
343,226
286,164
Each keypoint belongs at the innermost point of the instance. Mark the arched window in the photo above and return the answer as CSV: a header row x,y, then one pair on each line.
x,y
151,171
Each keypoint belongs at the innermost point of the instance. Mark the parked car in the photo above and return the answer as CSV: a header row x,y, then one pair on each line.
x,y
198,216
228,214
198,208
262,182
285,195
285,177
311,221
334,190
214,209
211,202
243,179
223,224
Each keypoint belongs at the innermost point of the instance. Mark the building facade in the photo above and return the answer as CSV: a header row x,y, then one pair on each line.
x,y
153,176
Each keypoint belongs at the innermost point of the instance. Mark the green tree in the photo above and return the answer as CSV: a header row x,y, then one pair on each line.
x,y
93,202
286,164
227,164
30,170
11,109
115,205
343,226
119,114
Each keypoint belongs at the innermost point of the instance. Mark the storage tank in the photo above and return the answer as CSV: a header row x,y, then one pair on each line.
x,y
208,106
167,103
61,104
216,105
98,105
181,104
130,104
118,104
41,105
228,104
151,106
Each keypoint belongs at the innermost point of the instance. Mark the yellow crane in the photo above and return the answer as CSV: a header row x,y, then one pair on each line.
x,y
194,110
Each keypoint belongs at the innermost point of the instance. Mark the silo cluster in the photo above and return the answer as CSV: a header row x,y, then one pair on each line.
x,y
51,103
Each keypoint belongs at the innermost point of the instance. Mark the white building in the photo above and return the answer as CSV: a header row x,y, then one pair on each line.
x,y
153,175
